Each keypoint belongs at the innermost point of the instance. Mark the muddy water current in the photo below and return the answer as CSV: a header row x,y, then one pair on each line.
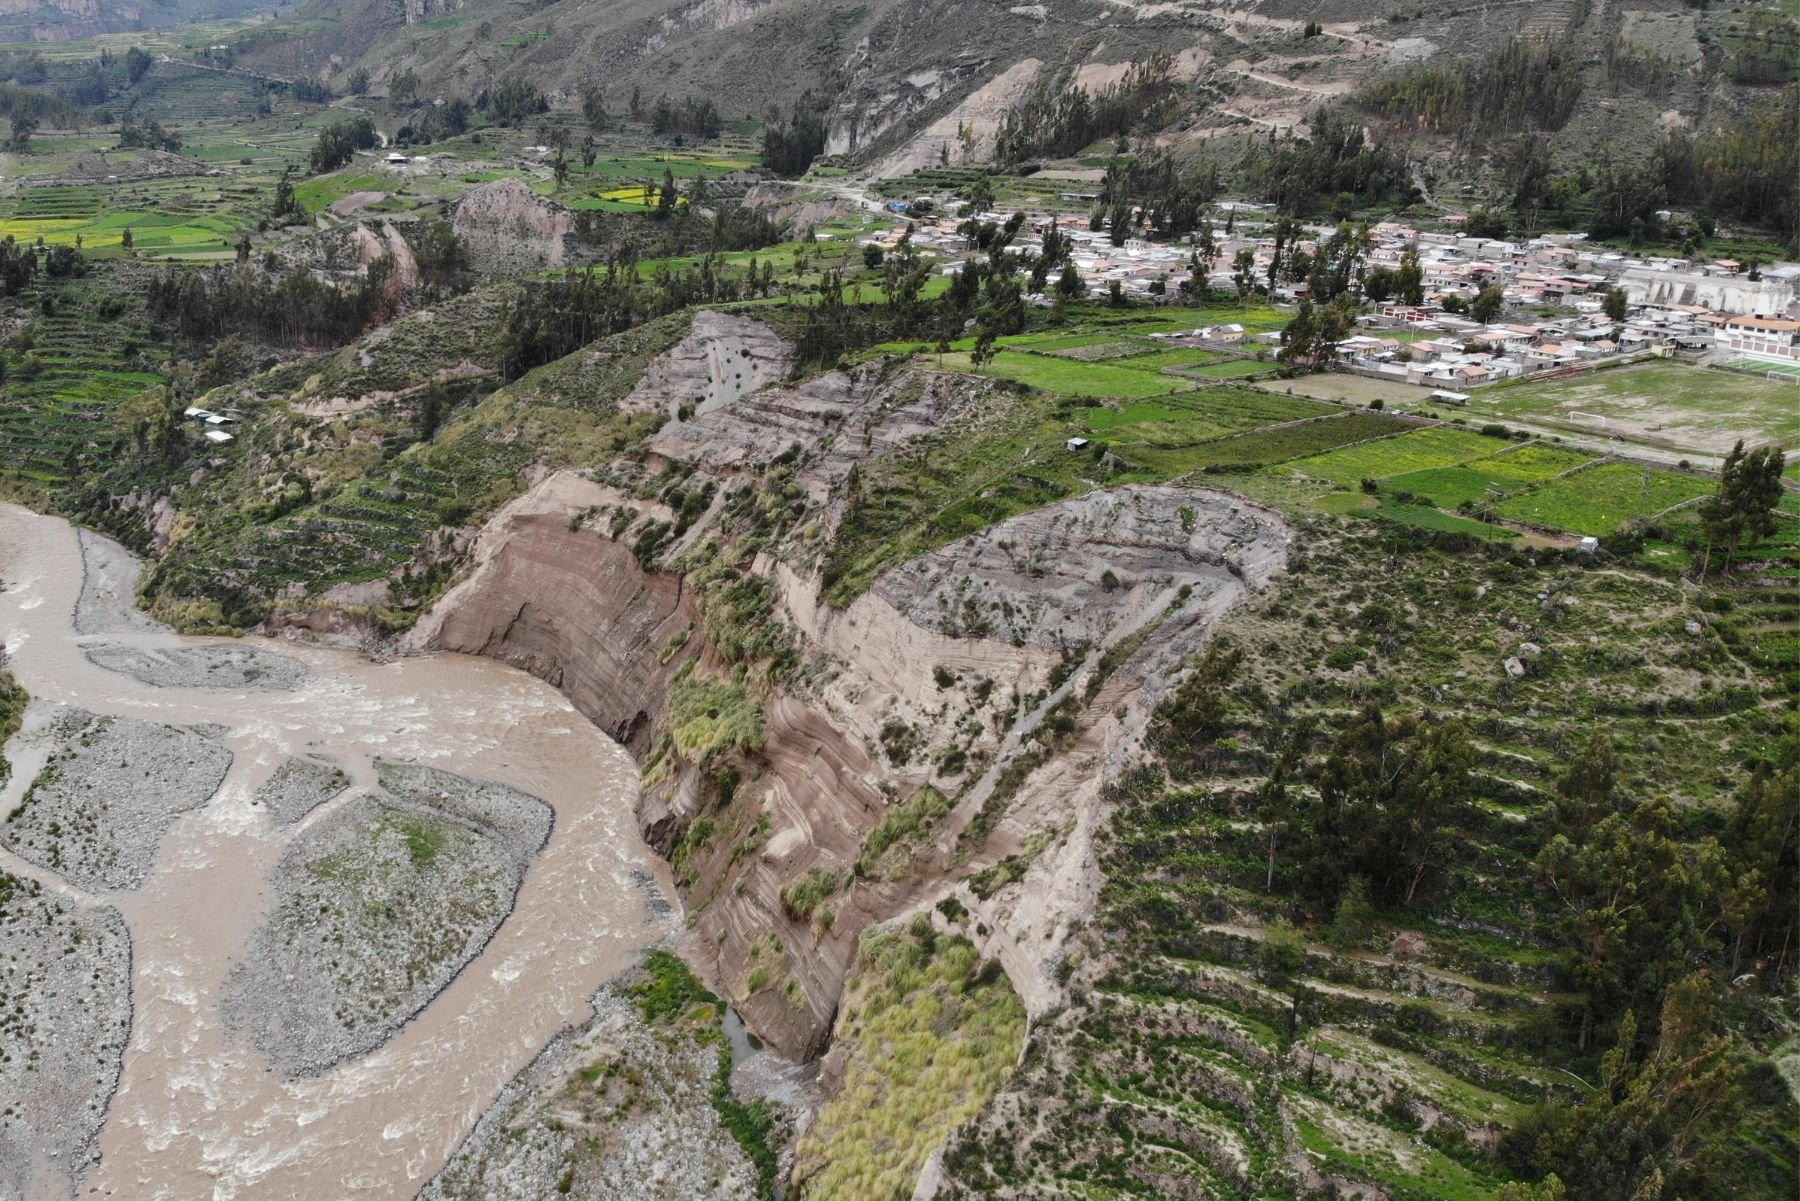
x,y
199,1112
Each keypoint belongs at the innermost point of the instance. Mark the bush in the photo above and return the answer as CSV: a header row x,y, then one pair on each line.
x,y
801,896
1282,952
1355,916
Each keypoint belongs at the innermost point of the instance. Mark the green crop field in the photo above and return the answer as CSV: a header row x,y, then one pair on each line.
x,y
1428,518
1167,360
1272,445
1071,378
1417,451
1601,499
1486,478
1164,428
1235,369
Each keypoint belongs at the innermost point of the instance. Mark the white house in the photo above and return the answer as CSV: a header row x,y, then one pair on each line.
x,y
1769,339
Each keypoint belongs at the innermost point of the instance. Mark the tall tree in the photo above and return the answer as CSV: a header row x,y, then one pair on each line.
x,y
1393,795
1243,274
1654,1128
1409,281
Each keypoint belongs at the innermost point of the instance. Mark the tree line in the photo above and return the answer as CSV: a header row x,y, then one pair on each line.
x,y
291,308
1054,121
690,116
792,141
338,142
1522,85
1336,166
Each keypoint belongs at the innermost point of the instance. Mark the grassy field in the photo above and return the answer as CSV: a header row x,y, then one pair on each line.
x,y
1069,377
1417,451
1173,424
1672,403
1601,499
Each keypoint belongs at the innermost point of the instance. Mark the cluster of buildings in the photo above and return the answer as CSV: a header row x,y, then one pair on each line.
x,y
210,424
1675,307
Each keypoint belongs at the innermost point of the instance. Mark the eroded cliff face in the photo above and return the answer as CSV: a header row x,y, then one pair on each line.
x,y
508,227
569,606
948,735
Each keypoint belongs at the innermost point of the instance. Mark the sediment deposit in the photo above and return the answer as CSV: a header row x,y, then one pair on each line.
x,y
233,667
377,908
613,1110
298,786
113,785
65,1013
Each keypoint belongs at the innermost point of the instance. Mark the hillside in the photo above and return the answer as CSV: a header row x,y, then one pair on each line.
x,y
909,85
1193,602
65,20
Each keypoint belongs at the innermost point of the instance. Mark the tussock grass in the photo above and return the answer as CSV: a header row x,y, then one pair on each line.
x,y
932,1032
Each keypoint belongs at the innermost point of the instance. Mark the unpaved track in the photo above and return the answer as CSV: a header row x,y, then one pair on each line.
x,y
199,1113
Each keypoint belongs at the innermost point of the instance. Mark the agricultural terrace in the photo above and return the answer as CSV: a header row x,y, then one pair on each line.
x,y
1150,414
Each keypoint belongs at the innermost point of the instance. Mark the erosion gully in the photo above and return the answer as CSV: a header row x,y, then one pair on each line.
x,y
198,1111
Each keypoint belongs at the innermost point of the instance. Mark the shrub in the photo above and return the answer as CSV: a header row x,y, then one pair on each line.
x,y
800,897
1282,952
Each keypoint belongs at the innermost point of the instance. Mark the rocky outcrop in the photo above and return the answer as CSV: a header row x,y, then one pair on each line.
x,y
993,687
837,419
723,358
508,227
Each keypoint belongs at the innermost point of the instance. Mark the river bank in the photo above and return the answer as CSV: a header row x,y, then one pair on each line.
x,y
201,1108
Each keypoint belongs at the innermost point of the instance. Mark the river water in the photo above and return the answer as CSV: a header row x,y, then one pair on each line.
x,y
199,1112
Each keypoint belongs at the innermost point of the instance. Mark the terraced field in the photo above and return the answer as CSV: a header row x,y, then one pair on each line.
x,y
60,397
1211,1050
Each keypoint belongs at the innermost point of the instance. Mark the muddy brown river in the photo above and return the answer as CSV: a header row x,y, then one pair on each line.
x,y
199,1112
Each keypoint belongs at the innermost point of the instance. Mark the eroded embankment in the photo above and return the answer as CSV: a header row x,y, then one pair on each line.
x,y
1007,674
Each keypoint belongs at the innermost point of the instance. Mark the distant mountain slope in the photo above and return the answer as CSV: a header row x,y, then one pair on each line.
x,y
60,20
910,83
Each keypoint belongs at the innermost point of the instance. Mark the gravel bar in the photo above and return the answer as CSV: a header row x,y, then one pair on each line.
x,y
111,788
376,909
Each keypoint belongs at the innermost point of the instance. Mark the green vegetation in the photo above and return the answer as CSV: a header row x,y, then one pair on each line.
x,y
708,717
901,827
1415,451
931,1032
802,896
1600,499
12,715
1070,377
668,995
